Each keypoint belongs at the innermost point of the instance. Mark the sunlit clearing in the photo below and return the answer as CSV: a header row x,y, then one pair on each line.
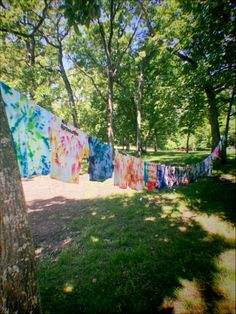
x,y
94,239
150,219
214,225
68,288
188,298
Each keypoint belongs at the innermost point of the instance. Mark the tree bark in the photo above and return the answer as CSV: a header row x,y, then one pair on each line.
x,y
155,140
225,143
213,115
18,284
188,138
138,108
68,87
110,109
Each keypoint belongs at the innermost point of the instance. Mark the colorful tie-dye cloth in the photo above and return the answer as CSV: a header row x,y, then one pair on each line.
x,y
100,160
69,146
150,175
135,173
120,170
29,125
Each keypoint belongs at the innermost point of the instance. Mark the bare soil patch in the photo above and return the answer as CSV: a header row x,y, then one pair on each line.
x,y
53,205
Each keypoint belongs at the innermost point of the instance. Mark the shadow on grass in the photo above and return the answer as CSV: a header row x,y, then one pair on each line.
x,y
214,195
127,254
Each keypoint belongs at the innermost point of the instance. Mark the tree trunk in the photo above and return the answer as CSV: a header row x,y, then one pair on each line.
x,y
18,285
123,142
110,109
225,143
138,108
127,143
30,44
187,142
155,140
213,115
68,87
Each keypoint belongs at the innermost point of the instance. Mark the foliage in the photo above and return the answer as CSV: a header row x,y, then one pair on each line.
x,y
184,48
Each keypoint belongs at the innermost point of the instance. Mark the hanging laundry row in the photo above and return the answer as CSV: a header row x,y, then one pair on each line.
x,y
45,144
138,174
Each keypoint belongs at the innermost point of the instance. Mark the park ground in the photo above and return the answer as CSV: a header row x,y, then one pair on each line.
x,y
101,249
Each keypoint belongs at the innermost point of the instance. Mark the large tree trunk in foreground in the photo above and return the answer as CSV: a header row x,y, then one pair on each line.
x,y
18,285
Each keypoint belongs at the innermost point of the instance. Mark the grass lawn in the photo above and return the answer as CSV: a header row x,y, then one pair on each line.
x,y
171,251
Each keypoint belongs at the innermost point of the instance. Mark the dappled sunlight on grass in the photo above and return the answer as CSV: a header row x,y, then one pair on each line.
x,y
143,252
152,219
225,281
94,239
215,225
68,288
188,298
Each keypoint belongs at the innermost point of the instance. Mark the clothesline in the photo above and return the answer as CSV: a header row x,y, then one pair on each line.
x,y
45,144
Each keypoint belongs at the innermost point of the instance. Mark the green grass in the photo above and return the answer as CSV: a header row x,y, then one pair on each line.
x,y
173,157
149,252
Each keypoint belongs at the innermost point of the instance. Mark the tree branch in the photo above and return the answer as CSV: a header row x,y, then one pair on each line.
x,y
112,16
35,28
91,79
126,48
149,26
101,29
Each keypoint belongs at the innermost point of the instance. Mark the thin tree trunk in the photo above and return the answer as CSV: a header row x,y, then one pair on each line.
x,y
30,44
110,110
68,87
123,142
225,143
138,108
18,284
213,115
187,142
155,140
127,143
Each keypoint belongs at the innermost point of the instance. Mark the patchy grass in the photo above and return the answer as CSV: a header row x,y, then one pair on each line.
x,y
165,252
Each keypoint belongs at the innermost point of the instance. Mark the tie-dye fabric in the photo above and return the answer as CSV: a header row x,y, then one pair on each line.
x,y
161,178
29,125
120,170
170,177
150,172
150,175
69,146
100,160
135,173
38,144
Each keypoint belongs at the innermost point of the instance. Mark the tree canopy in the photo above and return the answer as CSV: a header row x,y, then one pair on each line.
x,y
141,72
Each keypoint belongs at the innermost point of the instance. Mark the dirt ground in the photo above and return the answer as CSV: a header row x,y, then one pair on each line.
x,y
53,204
